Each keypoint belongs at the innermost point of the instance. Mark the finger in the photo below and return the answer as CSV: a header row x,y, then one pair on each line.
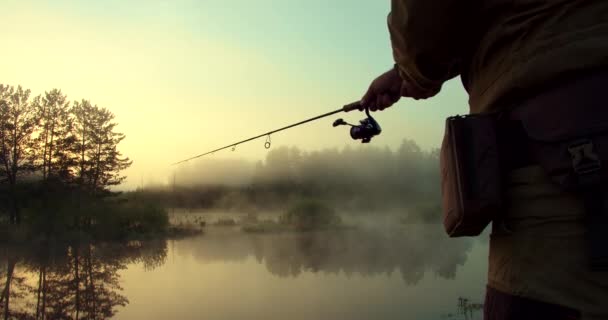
x,y
382,102
395,95
377,103
368,98
387,101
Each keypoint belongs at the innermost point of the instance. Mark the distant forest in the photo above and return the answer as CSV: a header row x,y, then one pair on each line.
x,y
362,179
49,142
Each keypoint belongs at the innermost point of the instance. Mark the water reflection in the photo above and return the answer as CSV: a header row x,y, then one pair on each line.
x,y
70,281
83,280
466,309
413,251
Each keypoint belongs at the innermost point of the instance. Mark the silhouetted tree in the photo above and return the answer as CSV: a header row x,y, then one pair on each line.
x,y
82,112
46,138
98,160
107,161
18,121
55,135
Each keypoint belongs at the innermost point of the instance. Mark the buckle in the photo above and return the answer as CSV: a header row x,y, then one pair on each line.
x,y
584,158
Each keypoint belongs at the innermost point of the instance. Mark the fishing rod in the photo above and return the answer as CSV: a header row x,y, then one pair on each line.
x,y
367,129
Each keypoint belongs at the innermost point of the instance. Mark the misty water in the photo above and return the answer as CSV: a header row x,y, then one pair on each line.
x,y
373,271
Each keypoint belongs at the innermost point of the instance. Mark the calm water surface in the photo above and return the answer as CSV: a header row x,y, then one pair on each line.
x,y
402,272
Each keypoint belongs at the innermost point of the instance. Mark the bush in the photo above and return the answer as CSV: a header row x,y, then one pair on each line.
x,y
60,211
310,215
128,219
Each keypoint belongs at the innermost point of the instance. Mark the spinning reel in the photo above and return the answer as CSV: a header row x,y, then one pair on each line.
x,y
367,128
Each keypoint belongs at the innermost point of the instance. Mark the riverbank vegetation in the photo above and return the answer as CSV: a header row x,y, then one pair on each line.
x,y
362,180
58,162
305,215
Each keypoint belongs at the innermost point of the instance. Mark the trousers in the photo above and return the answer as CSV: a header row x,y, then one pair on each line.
x,y
538,253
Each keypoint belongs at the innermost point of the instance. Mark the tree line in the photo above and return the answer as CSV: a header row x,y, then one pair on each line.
x,y
360,179
50,140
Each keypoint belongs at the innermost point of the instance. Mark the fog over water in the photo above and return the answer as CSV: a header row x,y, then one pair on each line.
x,y
365,179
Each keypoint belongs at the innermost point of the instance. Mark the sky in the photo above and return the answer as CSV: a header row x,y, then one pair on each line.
x,y
185,76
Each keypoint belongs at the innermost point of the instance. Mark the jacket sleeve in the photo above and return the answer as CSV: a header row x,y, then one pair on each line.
x,y
429,39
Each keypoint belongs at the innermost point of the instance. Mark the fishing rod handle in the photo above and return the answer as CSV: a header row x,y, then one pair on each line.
x,y
353,106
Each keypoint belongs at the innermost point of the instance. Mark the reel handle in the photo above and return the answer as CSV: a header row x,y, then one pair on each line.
x,y
353,106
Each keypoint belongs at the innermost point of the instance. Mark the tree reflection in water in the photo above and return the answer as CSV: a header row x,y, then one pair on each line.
x,y
70,281
413,251
466,310
81,281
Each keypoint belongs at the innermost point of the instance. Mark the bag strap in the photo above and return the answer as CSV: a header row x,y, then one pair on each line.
x,y
587,166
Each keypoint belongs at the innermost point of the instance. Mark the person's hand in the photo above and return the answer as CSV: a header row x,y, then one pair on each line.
x,y
383,92
388,88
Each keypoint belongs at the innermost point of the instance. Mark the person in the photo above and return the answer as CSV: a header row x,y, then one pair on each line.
x,y
540,55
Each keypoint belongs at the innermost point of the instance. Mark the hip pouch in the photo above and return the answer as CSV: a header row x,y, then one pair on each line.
x,y
470,174
567,132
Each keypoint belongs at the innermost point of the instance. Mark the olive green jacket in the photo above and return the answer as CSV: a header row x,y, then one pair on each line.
x,y
500,48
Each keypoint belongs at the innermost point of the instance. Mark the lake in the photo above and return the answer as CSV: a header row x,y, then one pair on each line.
x,y
371,272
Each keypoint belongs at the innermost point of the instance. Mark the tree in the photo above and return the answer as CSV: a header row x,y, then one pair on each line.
x,y
54,138
99,161
107,160
82,113
18,121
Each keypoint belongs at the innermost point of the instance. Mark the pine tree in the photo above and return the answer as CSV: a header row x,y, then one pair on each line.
x,y
82,113
54,138
107,160
99,162
18,121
